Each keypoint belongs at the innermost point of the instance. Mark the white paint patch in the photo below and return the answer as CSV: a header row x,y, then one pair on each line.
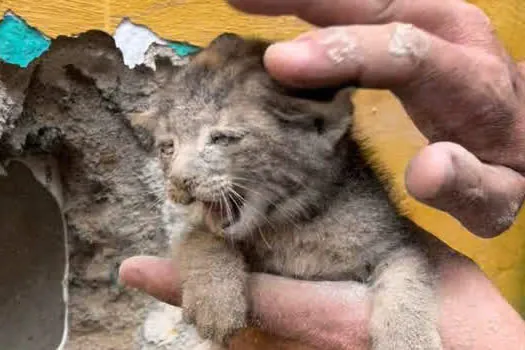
x,y
408,41
340,46
134,41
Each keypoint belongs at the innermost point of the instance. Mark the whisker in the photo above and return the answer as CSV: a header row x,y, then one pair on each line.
x,y
272,202
229,213
220,209
263,216
231,193
264,238
289,216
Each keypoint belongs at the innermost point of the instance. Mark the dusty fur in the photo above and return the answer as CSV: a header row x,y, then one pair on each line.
x,y
279,177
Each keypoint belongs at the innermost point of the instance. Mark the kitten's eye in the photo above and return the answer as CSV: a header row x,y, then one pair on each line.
x,y
225,137
166,148
319,125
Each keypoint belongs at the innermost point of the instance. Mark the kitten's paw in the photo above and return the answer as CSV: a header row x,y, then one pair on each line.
x,y
217,316
420,339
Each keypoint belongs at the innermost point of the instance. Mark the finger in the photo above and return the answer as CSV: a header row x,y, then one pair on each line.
x,y
452,93
454,20
399,54
521,67
155,276
484,198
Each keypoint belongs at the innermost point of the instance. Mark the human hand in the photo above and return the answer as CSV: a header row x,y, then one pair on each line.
x,y
454,78
473,315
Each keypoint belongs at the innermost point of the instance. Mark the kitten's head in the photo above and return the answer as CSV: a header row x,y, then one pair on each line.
x,y
254,152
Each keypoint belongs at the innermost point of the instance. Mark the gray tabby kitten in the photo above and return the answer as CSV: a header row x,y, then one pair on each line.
x,y
286,191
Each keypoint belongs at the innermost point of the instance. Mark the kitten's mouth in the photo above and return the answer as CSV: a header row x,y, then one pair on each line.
x,y
222,214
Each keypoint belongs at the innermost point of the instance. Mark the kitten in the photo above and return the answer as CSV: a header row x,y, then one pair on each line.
x,y
286,191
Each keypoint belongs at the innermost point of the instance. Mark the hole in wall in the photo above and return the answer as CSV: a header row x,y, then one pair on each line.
x,y
32,263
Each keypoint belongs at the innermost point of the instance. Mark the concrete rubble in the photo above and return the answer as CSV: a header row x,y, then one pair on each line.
x,y
67,118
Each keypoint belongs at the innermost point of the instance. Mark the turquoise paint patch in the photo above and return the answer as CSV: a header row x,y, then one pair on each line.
x,y
184,49
19,43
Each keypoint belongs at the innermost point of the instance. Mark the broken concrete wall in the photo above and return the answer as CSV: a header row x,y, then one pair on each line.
x,y
73,106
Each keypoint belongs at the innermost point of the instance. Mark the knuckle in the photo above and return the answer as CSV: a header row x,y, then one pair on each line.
x,y
493,68
385,9
476,15
496,78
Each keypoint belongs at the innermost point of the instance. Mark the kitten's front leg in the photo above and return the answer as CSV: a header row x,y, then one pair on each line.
x,y
404,314
214,282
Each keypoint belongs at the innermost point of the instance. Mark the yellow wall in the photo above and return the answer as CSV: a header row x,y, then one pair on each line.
x,y
198,21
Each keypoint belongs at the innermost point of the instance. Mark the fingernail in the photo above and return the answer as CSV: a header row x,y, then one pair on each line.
x,y
291,62
294,52
318,51
429,174
132,277
314,60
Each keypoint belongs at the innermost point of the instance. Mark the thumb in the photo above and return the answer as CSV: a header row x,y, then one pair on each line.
x,y
154,276
484,198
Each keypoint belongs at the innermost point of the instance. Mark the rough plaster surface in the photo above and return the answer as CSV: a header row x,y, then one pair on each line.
x,y
73,104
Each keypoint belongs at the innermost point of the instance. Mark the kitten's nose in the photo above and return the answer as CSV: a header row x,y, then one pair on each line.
x,y
179,190
180,181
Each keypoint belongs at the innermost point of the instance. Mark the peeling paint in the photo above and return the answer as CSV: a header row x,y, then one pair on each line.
x,y
134,40
19,43
183,49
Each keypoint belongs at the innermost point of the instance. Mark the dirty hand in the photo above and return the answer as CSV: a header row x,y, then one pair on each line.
x,y
454,78
473,314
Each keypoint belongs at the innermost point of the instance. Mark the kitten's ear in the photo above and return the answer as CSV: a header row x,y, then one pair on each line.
x,y
164,70
226,41
340,105
233,45
337,113
228,46
330,110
